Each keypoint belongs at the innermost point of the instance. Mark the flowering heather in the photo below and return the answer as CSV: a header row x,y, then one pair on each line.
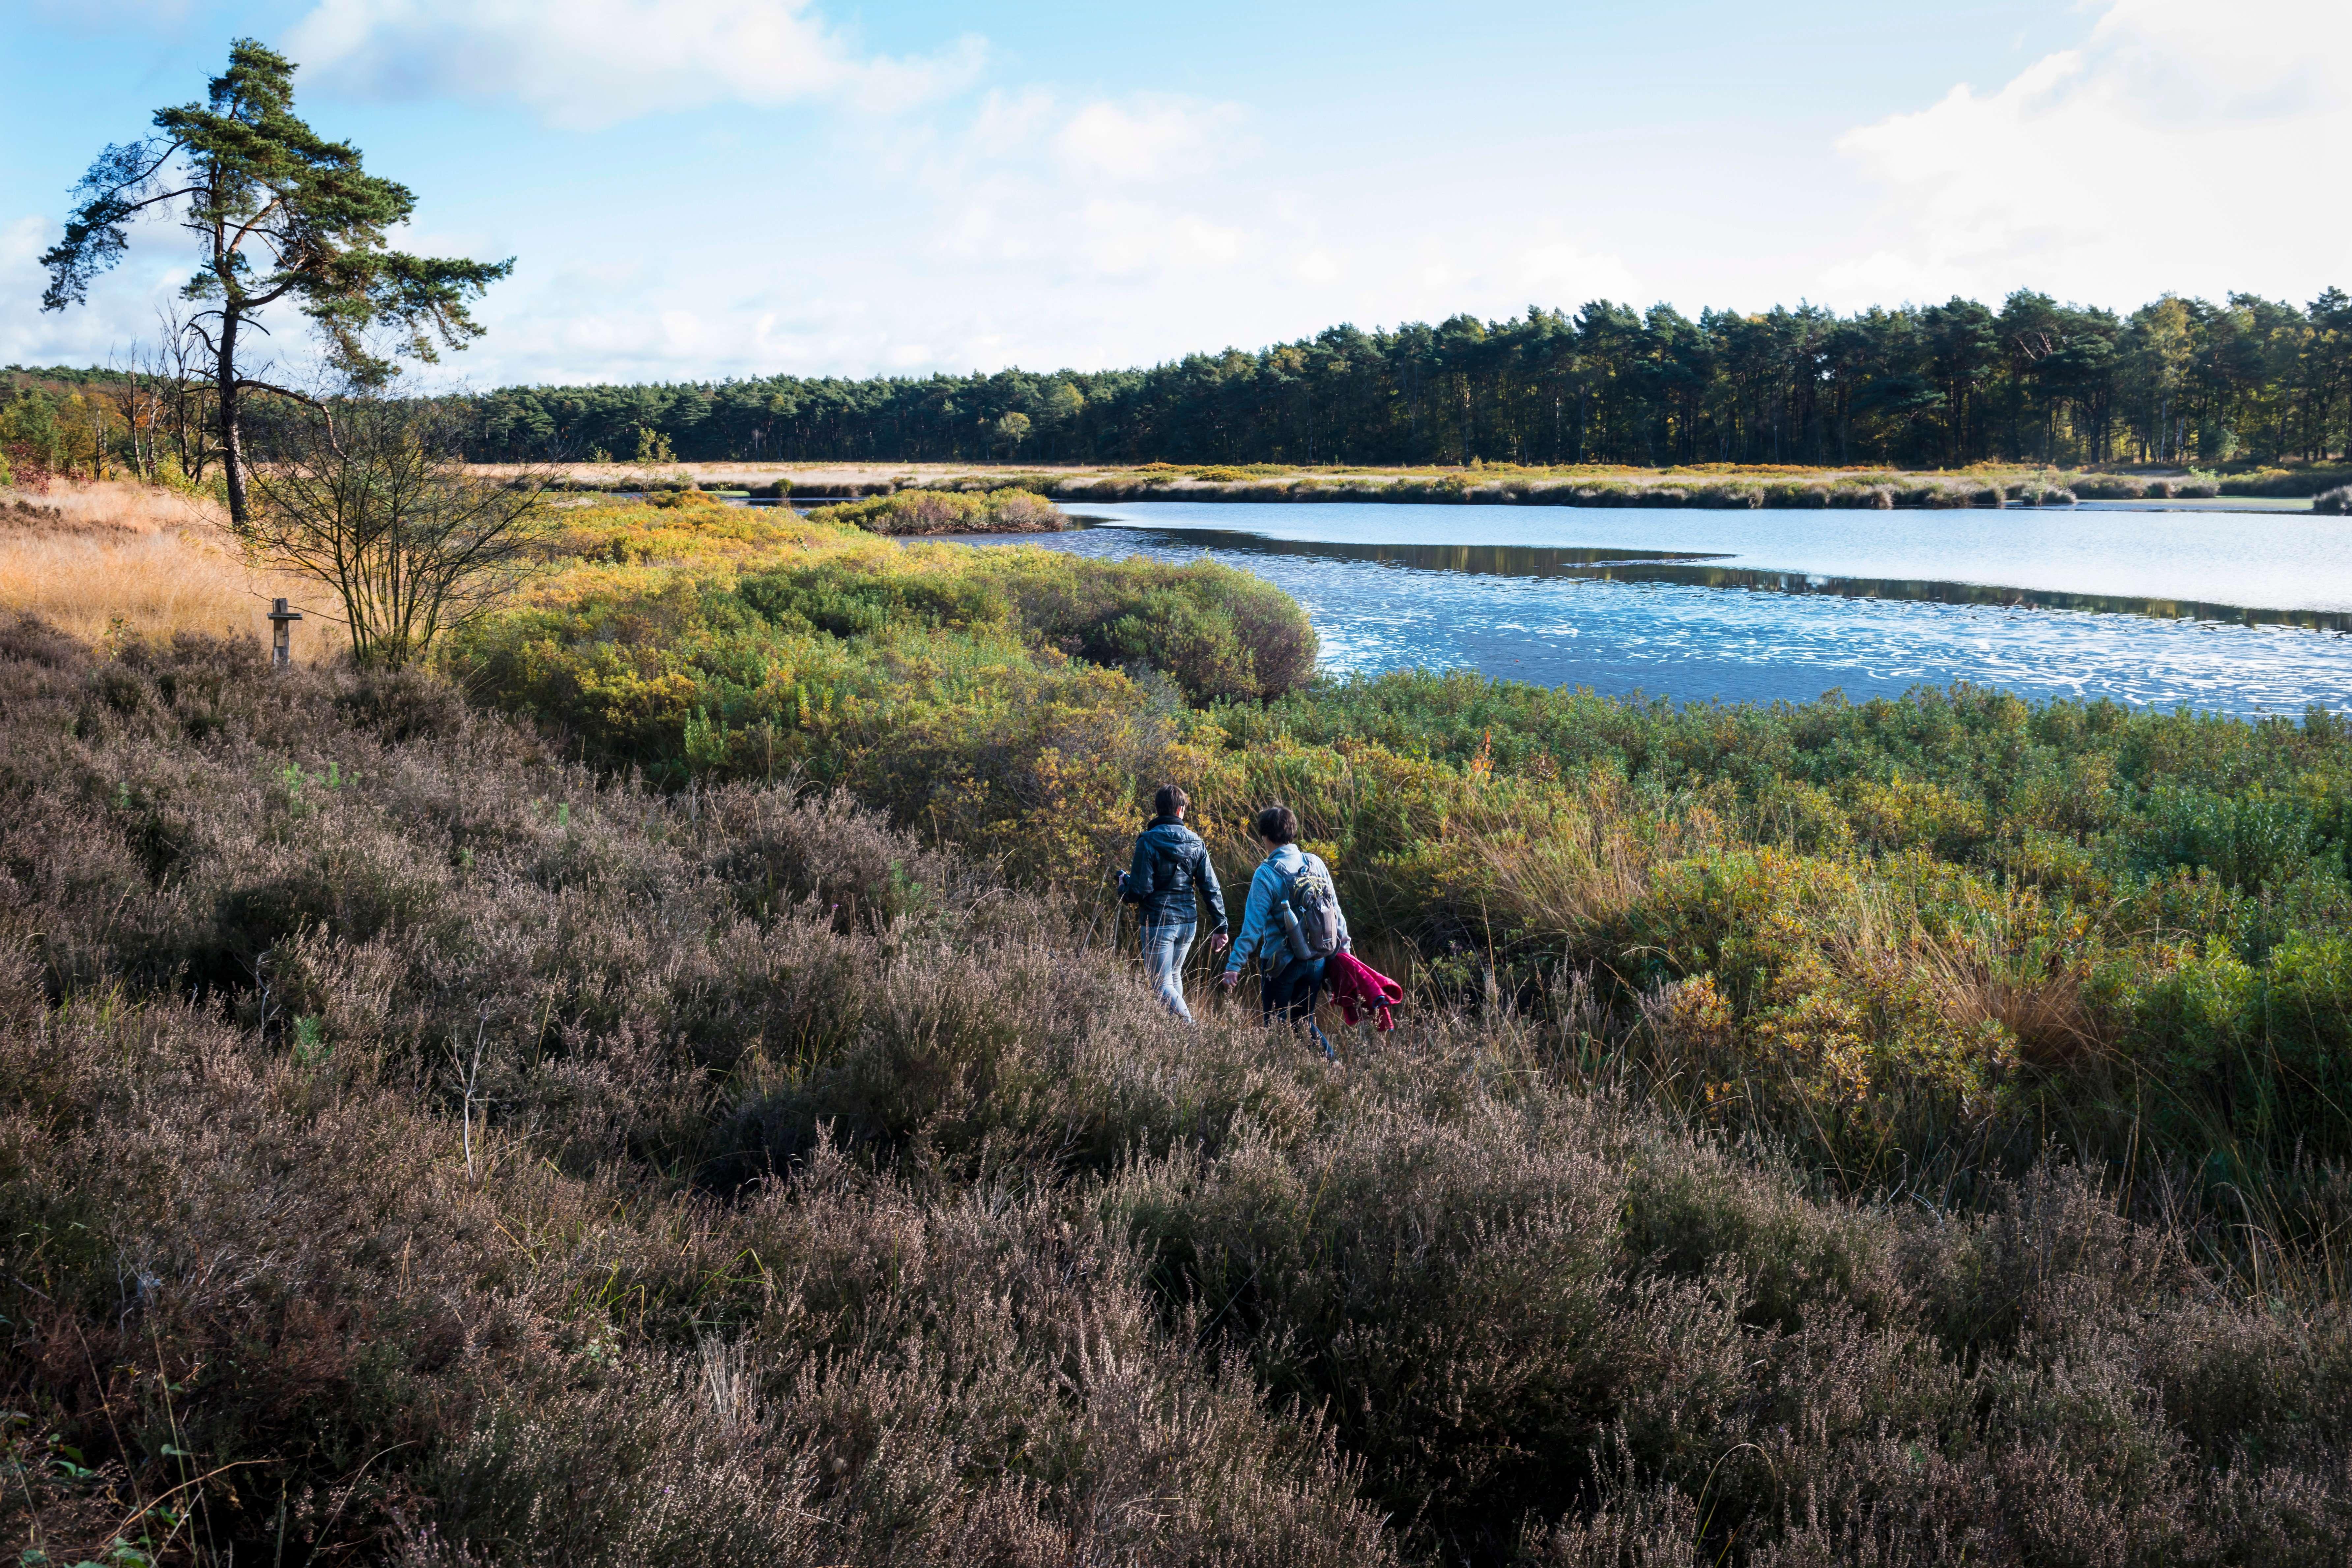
x,y
418,1148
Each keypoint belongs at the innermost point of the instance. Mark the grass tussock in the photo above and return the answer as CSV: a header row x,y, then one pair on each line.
x,y
419,1147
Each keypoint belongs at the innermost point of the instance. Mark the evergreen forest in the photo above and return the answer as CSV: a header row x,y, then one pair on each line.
x,y
2181,380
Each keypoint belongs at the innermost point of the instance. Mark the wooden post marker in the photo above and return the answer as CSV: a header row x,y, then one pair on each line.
x,y
280,637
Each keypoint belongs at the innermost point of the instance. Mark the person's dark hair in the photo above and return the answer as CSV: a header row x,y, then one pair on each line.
x,y
1276,825
1169,800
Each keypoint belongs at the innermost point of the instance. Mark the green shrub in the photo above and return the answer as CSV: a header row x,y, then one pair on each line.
x,y
1004,511
2308,481
2248,840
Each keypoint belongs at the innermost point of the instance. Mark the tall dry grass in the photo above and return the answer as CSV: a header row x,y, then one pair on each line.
x,y
99,559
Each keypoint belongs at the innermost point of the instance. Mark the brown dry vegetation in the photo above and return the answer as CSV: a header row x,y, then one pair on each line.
x,y
415,1148
93,558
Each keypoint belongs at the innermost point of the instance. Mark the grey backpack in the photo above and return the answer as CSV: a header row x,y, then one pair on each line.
x,y
1309,911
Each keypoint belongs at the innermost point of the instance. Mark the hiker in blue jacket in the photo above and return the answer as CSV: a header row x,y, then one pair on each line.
x,y
1172,868
1292,922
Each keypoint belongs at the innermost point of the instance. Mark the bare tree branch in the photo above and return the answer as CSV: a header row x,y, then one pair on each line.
x,y
374,500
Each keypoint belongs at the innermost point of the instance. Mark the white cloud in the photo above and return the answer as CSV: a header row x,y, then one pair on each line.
x,y
1148,138
1127,239
1561,273
1106,190
1010,123
120,313
22,243
583,64
2161,154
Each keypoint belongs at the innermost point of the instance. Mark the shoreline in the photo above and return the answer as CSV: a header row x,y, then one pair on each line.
x,y
1729,490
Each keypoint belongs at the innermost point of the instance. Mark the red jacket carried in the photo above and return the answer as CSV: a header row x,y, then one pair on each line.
x,y
1357,988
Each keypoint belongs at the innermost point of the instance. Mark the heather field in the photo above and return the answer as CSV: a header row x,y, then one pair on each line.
x,y
666,1084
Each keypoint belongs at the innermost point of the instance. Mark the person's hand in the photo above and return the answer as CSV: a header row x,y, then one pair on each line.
x,y
1217,942
1231,978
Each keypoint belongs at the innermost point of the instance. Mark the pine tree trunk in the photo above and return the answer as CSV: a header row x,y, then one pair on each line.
x,y
232,419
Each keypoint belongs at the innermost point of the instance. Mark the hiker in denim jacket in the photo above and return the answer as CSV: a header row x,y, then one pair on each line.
x,y
1288,985
1172,868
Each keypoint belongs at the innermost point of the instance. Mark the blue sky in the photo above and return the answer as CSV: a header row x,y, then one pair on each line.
x,y
718,187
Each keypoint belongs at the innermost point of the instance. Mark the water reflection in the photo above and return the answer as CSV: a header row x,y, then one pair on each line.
x,y
1687,625
1705,571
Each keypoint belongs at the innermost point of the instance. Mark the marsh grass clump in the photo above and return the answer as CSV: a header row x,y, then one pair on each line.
x,y
2310,480
1003,510
2110,487
2040,492
2156,487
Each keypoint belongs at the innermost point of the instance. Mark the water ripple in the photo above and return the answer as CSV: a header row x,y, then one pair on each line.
x,y
1666,623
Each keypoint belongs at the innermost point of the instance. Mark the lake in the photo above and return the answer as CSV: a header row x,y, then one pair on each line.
x,y
2244,613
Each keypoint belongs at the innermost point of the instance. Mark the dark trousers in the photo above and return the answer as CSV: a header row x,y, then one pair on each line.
x,y
1292,995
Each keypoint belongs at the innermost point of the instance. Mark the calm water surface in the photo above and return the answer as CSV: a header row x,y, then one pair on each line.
x,y
2237,612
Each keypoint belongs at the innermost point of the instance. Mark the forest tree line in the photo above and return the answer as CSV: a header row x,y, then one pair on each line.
x,y
2181,381
2178,381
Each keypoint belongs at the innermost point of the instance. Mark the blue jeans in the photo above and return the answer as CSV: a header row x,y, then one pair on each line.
x,y
1164,951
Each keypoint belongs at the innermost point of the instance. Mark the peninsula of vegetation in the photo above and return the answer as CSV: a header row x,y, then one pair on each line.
x,y
1728,486
622,1049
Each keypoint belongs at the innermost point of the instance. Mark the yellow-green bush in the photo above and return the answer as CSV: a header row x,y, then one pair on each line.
x,y
1004,698
1896,932
1009,509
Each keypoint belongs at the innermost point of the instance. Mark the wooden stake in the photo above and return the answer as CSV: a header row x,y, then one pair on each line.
x,y
280,635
